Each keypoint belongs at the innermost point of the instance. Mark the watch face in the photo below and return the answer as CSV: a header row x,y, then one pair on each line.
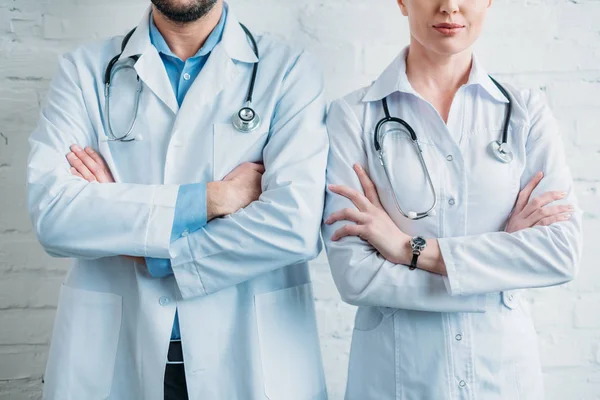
x,y
418,242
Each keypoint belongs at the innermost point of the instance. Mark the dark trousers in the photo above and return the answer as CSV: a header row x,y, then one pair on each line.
x,y
175,386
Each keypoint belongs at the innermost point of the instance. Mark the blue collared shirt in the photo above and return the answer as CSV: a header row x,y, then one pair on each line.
x,y
190,208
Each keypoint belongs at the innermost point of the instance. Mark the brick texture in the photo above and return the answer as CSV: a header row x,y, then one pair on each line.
x,y
548,44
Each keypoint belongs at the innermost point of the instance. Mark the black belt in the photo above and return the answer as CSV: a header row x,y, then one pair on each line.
x,y
175,354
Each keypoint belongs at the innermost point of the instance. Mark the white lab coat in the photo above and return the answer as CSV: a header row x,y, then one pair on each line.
x,y
241,284
468,336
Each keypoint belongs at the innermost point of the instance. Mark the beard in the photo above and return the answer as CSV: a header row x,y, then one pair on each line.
x,y
194,10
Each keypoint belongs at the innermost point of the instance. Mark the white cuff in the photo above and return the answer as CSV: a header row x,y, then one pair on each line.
x,y
185,270
160,221
452,281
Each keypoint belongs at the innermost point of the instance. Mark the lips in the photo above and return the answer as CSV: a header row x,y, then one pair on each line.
x,y
448,26
448,29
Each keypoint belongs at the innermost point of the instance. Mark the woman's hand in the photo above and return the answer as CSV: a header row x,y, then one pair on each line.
x,y
373,224
529,213
89,165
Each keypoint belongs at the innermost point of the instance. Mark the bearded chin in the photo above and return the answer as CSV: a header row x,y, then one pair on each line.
x,y
182,14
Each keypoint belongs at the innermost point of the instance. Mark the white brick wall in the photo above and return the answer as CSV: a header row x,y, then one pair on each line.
x,y
551,44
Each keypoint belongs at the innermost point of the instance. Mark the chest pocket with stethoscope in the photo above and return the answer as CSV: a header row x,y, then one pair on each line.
x,y
386,142
245,120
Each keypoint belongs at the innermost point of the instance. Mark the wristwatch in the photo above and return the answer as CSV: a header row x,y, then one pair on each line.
x,y
418,244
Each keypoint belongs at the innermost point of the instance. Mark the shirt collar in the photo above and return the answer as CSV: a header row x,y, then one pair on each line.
x,y
394,79
234,39
157,39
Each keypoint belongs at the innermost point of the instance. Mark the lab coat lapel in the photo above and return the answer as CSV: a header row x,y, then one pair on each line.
x,y
221,68
218,72
150,66
152,72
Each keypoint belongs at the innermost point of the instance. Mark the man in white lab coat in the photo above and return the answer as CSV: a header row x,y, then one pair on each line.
x,y
191,241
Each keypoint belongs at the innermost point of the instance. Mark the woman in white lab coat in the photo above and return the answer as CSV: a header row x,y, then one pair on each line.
x,y
456,327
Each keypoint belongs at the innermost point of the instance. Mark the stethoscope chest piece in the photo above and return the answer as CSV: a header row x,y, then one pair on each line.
x,y
246,119
501,151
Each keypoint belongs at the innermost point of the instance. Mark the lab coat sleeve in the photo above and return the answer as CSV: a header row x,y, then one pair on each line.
x,y
74,218
363,277
282,227
190,215
535,257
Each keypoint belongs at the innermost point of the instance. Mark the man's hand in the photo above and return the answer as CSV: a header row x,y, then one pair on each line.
x,y
139,260
529,213
89,165
238,189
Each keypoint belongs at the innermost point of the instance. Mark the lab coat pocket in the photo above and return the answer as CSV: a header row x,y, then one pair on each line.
x,y
372,369
232,147
84,345
289,344
368,318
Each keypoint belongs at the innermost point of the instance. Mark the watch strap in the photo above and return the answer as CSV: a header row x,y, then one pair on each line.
x,y
413,263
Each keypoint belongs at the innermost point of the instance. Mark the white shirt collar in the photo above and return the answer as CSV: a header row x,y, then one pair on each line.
x,y
394,79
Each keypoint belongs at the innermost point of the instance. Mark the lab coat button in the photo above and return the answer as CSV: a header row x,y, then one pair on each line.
x,y
462,384
185,233
186,76
163,301
459,337
511,297
450,158
451,202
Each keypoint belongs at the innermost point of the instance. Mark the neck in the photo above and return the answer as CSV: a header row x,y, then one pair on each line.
x,y
185,40
432,72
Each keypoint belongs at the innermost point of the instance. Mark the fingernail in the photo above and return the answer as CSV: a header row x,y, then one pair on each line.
x,y
567,216
539,174
358,167
571,208
89,150
331,186
563,194
77,148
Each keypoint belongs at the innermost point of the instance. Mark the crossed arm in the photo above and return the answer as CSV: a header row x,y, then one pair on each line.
x,y
76,218
368,253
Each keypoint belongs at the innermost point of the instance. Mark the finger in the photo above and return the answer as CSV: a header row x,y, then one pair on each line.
x,y
347,230
104,175
525,194
553,219
546,212
367,185
256,166
347,214
541,201
95,156
76,173
359,200
80,167
91,165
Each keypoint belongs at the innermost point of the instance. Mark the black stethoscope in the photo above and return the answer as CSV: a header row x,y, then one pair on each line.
x,y
500,149
245,120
